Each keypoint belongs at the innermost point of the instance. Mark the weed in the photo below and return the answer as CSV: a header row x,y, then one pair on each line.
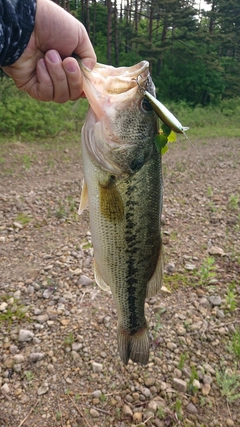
x,y
58,415
234,345
29,375
61,212
178,409
161,413
233,202
209,192
207,270
69,340
229,383
231,297
14,313
194,376
183,358
102,397
23,218
26,161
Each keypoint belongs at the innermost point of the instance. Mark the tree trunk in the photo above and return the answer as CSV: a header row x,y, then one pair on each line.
x,y
109,32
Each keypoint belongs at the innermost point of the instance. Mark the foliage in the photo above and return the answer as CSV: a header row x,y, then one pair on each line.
x,y
22,115
229,383
231,297
207,270
234,345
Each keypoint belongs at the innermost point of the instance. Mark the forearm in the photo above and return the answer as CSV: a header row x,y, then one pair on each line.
x,y
16,26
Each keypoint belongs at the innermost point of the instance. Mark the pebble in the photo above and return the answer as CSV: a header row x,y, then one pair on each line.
x,y
85,281
35,357
126,410
42,318
229,422
5,389
206,389
18,358
97,367
3,306
94,413
179,385
96,394
191,408
42,390
146,392
149,381
25,335
137,417
153,406
189,267
77,346
215,300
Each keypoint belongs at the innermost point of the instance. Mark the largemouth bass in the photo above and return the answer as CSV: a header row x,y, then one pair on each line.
x,y
123,188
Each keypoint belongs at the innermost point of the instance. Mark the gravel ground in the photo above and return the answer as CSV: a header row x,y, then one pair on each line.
x,y
59,364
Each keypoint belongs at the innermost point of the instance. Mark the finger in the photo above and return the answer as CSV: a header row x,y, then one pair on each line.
x,y
85,49
57,73
42,89
74,78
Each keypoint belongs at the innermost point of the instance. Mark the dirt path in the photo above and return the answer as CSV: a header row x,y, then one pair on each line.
x,y
64,368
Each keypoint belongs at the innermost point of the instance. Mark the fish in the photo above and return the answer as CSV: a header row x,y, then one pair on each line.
x,y
123,190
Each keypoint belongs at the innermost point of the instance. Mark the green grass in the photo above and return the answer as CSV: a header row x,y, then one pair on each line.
x,y
229,384
234,345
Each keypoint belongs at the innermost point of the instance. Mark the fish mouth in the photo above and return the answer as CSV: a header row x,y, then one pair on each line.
x,y
117,80
106,85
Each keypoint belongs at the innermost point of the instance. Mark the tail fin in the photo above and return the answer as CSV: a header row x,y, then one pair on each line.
x,y
134,347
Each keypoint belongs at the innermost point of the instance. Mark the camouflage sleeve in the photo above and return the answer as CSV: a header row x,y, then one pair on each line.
x,y
16,26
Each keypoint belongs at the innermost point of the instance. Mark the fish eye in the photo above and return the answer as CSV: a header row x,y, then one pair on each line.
x,y
145,105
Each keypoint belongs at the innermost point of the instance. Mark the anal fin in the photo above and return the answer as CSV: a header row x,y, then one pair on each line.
x,y
99,280
155,283
84,199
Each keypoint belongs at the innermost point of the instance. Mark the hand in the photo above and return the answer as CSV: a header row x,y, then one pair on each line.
x,y
46,70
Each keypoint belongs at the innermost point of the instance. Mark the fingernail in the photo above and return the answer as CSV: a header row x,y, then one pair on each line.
x,y
53,56
71,67
42,63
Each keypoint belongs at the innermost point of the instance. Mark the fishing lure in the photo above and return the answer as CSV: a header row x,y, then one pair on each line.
x,y
163,113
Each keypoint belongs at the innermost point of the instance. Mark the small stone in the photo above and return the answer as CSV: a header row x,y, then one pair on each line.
x,y
204,302
146,392
126,410
153,406
209,368
42,318
97,367
206,389
135,396
85,281
47,293
94,413
191,408
76,346
171,346
3,306
2,239
77,272
181,331
50,368
196,384
35,357
170,267
189,267
179,385
42,390
207,379
229,422
25,335
215,300
18,225
137,417
18,358
215,250
75,355
5,389
96,394
13,349
150,381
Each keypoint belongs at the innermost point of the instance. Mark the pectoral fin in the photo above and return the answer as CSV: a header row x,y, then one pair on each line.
x,y
155,283
84,199
98,278
111,203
